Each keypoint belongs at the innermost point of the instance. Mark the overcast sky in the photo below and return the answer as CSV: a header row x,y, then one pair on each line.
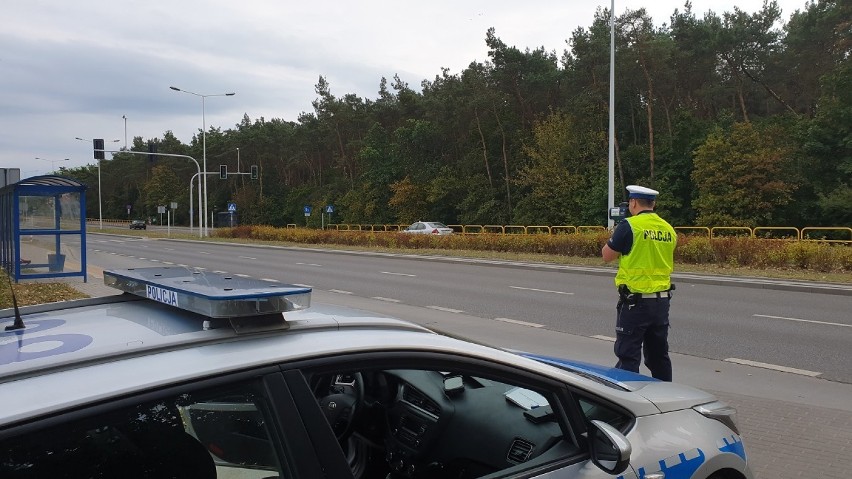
x,y
74,68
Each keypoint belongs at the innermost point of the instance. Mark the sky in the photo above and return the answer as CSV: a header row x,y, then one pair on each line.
x,y
103,68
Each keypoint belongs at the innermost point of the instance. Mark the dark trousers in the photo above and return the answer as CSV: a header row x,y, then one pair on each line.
x,y
644,325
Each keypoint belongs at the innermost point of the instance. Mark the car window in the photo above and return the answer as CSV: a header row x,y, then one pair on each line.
x,y
222,433
594,409
443,422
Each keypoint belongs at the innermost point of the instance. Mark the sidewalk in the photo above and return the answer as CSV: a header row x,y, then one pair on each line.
x,y
793,426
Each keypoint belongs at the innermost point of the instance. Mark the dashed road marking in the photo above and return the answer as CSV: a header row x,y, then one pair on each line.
x,y
309,264
302,285
522,323
242,275
802,320
167,262
398,274
271,280
389,300
204,252
540,290
448,310
774,367
220,272
603,338
246,257
340,291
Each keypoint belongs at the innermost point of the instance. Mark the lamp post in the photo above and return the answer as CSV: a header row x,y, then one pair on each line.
x,y
100,209
611,163
53,163
125,131
203,146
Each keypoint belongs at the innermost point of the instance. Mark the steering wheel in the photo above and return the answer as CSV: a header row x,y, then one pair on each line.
x,y
340,405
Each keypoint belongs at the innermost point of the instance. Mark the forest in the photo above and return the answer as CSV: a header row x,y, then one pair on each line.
x,y
738,119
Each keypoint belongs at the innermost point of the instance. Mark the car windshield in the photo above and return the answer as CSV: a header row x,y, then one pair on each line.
x,y
438,225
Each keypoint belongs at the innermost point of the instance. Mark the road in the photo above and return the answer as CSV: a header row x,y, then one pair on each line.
x,y
794,424
801,332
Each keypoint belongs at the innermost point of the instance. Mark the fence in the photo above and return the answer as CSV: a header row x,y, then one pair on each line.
x,y
830,234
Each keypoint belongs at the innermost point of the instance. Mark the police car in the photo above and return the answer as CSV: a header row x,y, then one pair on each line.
x,y
192,374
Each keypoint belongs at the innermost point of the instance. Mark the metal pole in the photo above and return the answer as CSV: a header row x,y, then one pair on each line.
x,y
125,131
100,210
238,160
204,157
611,185
190,202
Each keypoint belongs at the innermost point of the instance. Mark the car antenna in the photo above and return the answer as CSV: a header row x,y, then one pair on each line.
x,y
19,323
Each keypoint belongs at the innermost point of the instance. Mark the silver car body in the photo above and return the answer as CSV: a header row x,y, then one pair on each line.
x,y
91,351
428,228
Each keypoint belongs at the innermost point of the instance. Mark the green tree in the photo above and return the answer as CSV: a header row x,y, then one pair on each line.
x,y
742,176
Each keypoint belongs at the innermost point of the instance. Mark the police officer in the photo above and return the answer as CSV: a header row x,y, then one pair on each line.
x,y
646,243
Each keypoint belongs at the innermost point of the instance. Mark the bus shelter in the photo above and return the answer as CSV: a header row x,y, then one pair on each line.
x,y
43,228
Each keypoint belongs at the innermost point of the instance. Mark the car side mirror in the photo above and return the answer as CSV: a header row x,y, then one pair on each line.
x,y
609,449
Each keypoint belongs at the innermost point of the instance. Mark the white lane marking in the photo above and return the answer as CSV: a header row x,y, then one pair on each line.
x,y
522,323
802,320
140,258
204,252
448,310
774,367
167,262
169,249
270,280
540,290
340,291
199,268
309,264
398,274
246,257
182,265
302,285
603,338
389,300
242,275
154,260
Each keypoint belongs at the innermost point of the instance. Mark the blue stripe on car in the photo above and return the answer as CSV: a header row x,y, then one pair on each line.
x,y
604,372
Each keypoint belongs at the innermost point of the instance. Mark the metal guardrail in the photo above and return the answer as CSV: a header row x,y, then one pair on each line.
x,y
827,234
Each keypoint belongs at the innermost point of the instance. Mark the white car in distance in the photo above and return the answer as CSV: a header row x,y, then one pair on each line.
x,y
428,228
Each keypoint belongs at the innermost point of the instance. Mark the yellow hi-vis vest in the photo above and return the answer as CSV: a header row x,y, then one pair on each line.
x,y
647,268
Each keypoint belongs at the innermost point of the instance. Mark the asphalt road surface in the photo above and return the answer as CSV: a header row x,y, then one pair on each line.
x,y
807,333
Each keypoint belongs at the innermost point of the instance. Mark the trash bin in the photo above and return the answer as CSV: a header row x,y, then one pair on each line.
x,y
55,263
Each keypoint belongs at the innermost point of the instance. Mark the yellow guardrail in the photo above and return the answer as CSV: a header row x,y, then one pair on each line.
x,y
746,229
768,232
694,228
537,230
828,234
806,237
563,229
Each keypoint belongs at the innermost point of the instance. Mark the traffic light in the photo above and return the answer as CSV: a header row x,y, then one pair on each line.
x,y
152,152
223,172
254,172
98,145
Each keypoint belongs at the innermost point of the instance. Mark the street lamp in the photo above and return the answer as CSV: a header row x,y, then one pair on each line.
x,y
53,163
125,131
203,144
100,210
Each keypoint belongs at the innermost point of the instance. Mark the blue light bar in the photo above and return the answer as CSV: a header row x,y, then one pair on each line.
x,y
216,295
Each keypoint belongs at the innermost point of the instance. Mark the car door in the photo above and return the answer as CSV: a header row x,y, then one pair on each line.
x,y
433,415
242,426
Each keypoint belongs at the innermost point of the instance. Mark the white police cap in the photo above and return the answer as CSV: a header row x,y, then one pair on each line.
x,y
636,191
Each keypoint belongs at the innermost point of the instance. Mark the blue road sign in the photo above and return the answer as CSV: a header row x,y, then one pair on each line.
x,y
232,207
307,210
329,209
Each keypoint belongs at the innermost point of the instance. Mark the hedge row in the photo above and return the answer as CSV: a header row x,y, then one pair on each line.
x,y
730,251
